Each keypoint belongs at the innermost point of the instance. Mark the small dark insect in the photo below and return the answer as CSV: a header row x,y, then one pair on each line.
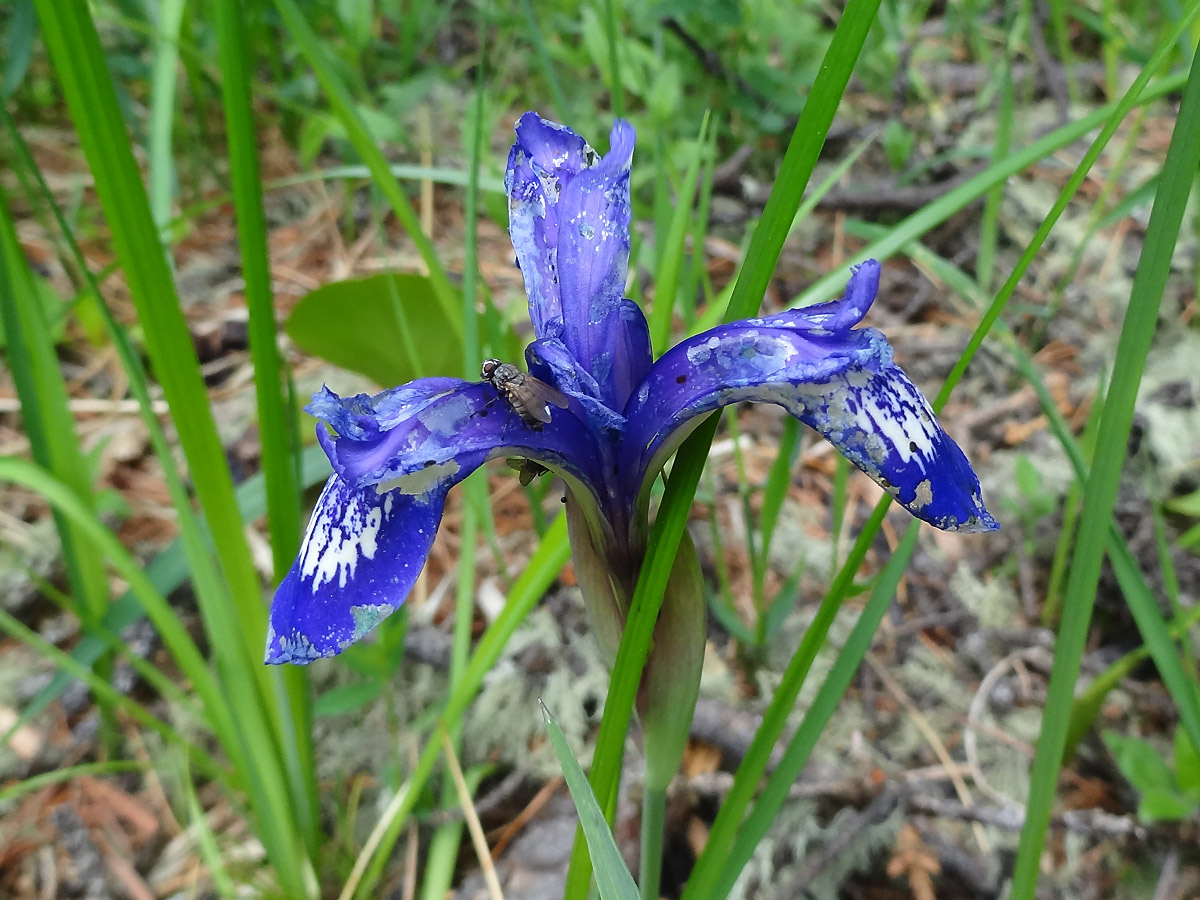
x,y
526,469
530,398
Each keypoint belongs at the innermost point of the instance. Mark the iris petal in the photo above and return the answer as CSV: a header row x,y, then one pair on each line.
x,y
437,431
361,555
844,384
569,220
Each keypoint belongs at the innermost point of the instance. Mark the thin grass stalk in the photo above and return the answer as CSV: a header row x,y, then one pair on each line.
x,y
545,564
725,829
201,567
278,451
1137,334
342,105
162,109
564,112
239,625
800,747
444,847
753,278
612,31
670,251
917,224
33,362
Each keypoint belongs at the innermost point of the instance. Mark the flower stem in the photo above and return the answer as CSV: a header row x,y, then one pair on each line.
x,y
654,814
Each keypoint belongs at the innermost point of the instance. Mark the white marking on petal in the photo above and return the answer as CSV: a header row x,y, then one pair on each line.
x,y
337,537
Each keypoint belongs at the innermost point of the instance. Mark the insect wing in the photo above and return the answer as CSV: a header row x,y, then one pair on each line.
x,y
536,397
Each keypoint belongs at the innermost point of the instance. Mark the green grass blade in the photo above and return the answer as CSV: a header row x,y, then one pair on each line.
x,y
940,210
707,871
670,256
1183,156
283,494
612,31
162,109
33,362
238,626
544,566
824,705
274,425
57,776
753,278
364,144
612,877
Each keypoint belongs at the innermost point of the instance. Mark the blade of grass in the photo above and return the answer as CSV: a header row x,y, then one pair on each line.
x,y
670,256
69,773
935,213
616,85
33,362
612,878
162,109
754,763
1138,594
753,278
800,747
238,626
442,855
725,829
108,694
275,434
360,138
1137,333
529,588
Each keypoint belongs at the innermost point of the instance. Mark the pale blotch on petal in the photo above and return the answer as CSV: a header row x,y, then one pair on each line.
x,y
449,416
366,617
333,546
422,481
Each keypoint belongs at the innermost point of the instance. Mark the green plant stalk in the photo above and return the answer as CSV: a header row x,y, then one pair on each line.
x,y
106,693
653,829
915,225
801,745
1137,333
989,228
670,254
552,554
200,565
57,776
237,628
753,278
278,463
283,493
45,413
1138,594
617,86
729,819
535,35
612,877
343,107
726,827
162,108
444,846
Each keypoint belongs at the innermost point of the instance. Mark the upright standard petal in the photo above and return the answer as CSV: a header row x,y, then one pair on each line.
x,y
569,220
842,383
361,555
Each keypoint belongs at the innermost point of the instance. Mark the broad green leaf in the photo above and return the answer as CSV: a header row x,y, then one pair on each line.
x,y
346,698
1187,761
389,327
1160,805
612,877
1140,763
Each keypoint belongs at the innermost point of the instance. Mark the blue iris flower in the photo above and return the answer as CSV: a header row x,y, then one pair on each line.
x,y
396,455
